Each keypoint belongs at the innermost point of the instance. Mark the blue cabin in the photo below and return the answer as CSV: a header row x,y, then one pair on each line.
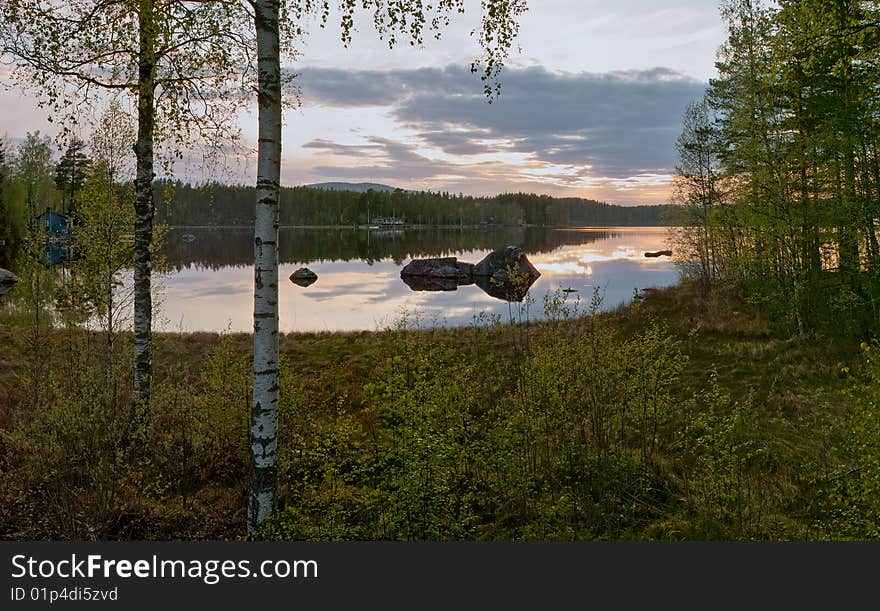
x,y
53,222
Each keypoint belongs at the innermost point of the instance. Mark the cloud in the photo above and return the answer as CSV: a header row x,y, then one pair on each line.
x,y
616,125
347,150
393,160
358,88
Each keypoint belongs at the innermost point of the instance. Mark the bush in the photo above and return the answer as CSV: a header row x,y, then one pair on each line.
x,y
848,497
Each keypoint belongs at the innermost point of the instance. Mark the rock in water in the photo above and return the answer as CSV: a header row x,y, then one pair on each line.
x,y
7,278
7,281
445,267
505,274
430,283
508,265
659,253
499,286
304,277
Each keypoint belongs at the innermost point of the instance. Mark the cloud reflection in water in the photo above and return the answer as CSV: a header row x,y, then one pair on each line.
x,y
352,295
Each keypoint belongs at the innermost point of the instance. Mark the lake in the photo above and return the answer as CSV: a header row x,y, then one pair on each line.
x,y
210,285
209,282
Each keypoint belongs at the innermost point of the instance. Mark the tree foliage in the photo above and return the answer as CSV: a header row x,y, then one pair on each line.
x,y
104,240
409,21
790,135
34,167
219,204
182,64
70,173
6,224
69,53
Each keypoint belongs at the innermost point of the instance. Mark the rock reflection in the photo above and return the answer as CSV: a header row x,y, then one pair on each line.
x,y
503,274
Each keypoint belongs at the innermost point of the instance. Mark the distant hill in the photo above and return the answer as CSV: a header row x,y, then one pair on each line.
x,y
357,187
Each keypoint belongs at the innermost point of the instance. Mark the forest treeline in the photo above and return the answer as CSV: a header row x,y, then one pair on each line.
x,y
33,178
779,171
182,204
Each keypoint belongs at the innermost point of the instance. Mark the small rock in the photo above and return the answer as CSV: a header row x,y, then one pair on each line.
x,y
7,278
304,277
647,293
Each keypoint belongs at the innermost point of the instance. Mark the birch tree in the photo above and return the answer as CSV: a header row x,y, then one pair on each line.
x,y
183,63
264,410
33,166
5,217
104,241
393,20
697,189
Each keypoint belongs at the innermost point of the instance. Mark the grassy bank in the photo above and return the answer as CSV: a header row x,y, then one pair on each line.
x,y
681,417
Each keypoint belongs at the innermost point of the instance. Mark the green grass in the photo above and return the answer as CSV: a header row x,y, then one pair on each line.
x,y
440,433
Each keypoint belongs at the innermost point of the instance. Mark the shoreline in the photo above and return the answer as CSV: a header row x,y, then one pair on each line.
x,y
417,226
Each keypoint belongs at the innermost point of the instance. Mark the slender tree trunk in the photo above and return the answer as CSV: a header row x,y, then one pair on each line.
x,y
31,206
848,244
144,211
109,278
873,247
109,329
264,411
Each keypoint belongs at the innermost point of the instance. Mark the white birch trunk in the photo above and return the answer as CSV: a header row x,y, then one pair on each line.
x,y
264,411
144,212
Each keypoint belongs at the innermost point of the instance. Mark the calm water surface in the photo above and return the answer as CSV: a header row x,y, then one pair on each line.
x,y
359,285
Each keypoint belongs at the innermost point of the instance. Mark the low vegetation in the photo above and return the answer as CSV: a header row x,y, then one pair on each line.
x,y
683,416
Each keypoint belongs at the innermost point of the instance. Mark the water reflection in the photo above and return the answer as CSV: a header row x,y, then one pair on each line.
x,y
210,287
55,254
504,274
355,292
222,247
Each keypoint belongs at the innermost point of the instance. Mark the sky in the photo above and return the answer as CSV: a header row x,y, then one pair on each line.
x,y
591,105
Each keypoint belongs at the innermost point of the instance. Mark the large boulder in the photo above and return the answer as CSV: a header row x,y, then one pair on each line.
x,y
449,268
507,265
304,277
505,274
